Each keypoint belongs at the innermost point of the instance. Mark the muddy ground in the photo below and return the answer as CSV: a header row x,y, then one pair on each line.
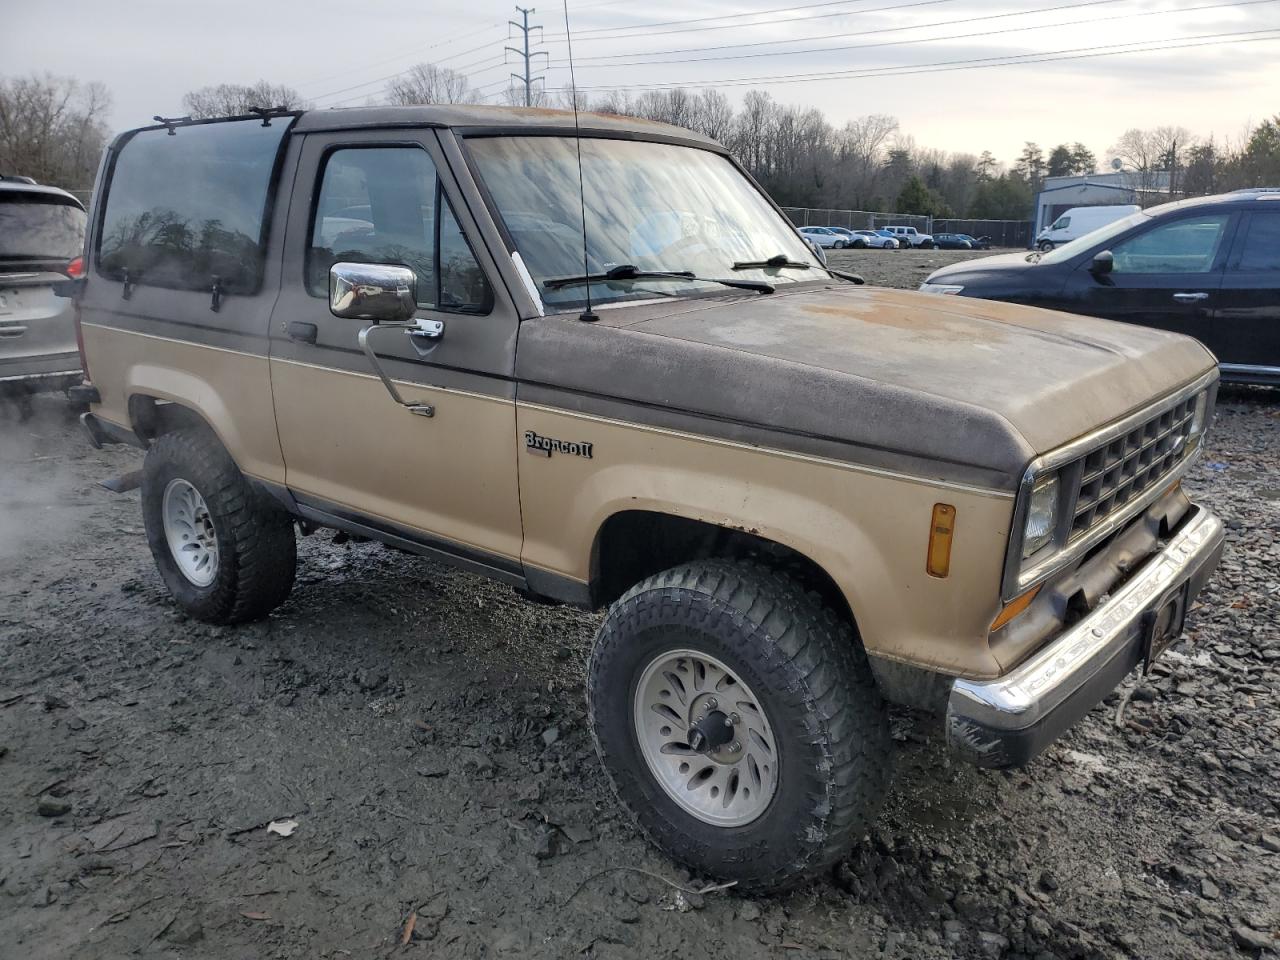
x,y
425,730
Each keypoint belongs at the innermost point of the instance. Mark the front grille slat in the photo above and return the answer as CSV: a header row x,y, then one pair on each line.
x,y
1123,469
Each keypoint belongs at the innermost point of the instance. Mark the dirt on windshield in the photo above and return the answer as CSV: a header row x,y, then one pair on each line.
x,y
397,762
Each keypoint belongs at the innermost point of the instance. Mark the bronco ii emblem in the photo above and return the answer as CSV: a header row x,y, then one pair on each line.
x,y
545,446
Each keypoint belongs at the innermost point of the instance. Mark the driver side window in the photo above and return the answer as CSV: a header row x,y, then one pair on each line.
x,y
385,205
1184,246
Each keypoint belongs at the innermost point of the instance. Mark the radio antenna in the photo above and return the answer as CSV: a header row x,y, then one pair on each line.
x,y
587,315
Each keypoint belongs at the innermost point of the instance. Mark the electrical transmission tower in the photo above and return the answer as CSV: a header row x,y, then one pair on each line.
x,y
527,78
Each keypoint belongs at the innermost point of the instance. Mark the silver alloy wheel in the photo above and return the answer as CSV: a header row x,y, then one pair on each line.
x,y
705,738
188,529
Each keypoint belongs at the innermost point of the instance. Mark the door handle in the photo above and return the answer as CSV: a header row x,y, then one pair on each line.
x,y
1190,297
427,330
12,331
302,332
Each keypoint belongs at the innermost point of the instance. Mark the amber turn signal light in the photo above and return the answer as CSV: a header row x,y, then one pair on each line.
x,y
940,534
1013,608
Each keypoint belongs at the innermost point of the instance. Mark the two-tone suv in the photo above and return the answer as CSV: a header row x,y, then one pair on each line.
x,y
599,364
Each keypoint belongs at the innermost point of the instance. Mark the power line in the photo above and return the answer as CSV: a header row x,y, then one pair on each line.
x,y
398,73
417,50
739,25
614,62
854,33
946,66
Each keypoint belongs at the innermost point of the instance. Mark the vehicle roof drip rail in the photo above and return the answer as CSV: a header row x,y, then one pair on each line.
x,y
171,123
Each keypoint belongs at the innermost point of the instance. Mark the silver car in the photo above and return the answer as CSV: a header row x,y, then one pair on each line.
x,y
41,242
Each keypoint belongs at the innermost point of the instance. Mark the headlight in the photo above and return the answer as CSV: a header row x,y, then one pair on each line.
x,y
948,288
1042,515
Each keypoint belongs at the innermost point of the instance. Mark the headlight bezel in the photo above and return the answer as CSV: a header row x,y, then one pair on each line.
x,y
945,289
1022,573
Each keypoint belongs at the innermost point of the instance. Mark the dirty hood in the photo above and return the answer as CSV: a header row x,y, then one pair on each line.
x,y
976,386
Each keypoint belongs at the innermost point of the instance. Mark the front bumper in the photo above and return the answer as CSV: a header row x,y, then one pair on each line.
x,y
1006,722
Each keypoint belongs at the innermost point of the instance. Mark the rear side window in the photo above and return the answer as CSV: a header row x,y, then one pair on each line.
x,y
1261,253
184,209
40,227
385,205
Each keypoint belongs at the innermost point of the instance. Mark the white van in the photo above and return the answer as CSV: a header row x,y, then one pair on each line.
x,y
1078,221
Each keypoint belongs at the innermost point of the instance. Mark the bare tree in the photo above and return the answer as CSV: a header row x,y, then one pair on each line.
x,y
428,83
233,99
52,129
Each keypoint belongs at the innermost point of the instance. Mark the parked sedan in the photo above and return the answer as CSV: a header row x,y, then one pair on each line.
x,y
951,241
978,243
1208,267
41,240
825,237
876,240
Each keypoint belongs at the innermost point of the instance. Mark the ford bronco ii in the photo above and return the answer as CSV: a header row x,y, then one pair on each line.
x,y
798,497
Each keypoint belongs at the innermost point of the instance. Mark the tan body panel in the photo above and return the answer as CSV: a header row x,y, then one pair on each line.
x,y
867,529
229,389
452,475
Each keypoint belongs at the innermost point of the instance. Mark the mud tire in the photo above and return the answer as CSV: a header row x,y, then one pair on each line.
x,y
257,552
811,677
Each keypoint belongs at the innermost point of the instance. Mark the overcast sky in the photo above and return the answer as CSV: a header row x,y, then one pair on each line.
x,y
148,53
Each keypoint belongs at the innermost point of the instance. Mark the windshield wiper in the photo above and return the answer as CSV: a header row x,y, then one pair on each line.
x,y
851,277
629,271
776,262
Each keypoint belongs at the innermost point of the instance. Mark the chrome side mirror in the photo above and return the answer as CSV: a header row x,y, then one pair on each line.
x,y
376,292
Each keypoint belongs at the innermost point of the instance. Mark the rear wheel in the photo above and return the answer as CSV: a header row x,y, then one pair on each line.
x,y
839,244
738,722
859,244
226,553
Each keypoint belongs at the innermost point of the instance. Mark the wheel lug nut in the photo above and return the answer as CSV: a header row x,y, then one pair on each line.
x,y
735,719
712,703
735,747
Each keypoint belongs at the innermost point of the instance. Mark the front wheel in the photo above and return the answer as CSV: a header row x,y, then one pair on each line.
x,y
1046,246
225,552
839,244
738,722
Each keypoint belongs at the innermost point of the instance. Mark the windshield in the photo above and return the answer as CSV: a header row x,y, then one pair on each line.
x,y
33,228
1101,235
654,206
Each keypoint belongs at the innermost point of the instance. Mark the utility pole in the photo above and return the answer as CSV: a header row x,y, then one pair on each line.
x,y
528,78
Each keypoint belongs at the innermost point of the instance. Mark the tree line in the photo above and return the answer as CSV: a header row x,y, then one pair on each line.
x,y
53,128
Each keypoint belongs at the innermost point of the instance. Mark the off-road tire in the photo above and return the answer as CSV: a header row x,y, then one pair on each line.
x,y
257,552
803,664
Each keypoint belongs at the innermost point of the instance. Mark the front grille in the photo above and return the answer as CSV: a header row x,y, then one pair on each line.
x,y
1123,469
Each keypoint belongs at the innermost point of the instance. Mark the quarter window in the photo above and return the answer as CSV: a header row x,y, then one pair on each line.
x,y
1185,246
185,208
385,205
1261,253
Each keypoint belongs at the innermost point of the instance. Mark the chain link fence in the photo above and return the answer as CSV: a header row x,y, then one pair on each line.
x,y
855,219
1003,233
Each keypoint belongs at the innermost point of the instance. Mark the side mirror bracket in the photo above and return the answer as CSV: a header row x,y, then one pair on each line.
x,y
385,295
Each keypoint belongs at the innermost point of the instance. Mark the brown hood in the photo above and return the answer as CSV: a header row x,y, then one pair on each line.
x,y
971,383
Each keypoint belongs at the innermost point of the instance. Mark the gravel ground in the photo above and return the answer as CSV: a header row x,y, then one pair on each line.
x,y
425,730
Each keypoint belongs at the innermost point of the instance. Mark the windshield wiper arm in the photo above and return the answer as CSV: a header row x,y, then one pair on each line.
x,y
776,262
851,277
629,271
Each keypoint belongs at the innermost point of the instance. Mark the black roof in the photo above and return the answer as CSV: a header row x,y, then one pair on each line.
x,y
467,118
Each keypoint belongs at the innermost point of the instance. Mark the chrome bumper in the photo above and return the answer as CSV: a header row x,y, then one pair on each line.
x,y
1006,722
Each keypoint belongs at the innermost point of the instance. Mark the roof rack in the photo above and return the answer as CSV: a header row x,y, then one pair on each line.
x,y
265,114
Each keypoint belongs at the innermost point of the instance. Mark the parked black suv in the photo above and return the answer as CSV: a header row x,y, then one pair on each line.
x,y
1208,267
